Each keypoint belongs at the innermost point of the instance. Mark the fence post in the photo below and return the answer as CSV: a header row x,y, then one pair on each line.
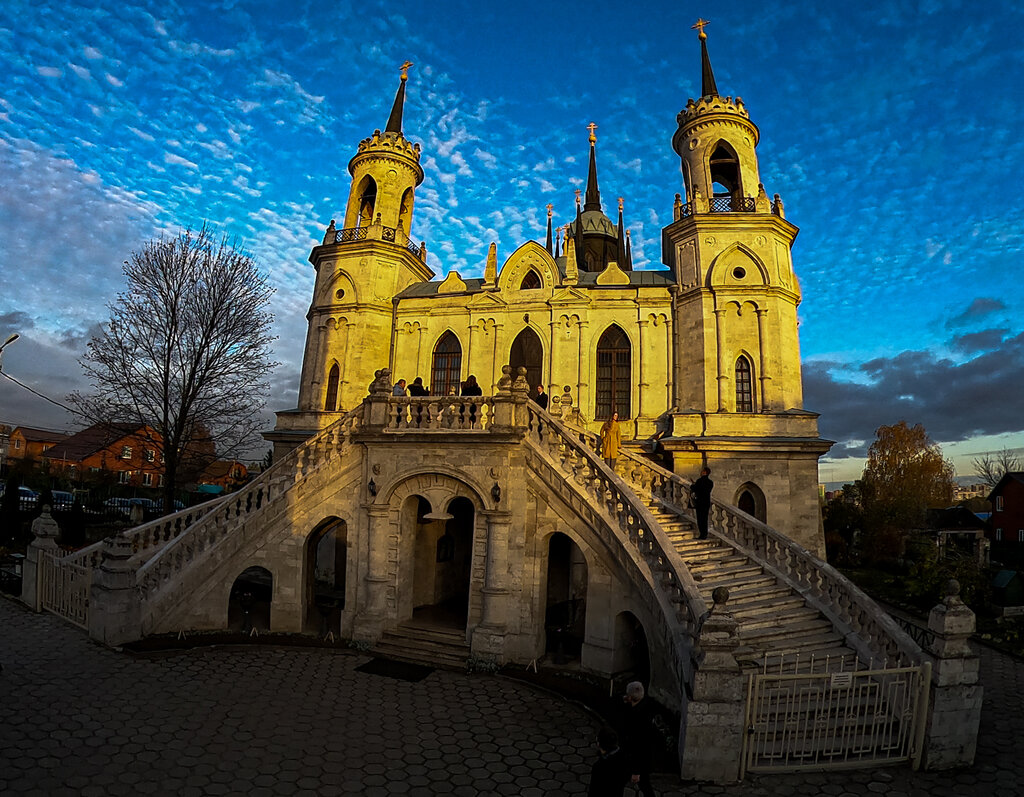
x,y
954,712
45,531
712,724
115,612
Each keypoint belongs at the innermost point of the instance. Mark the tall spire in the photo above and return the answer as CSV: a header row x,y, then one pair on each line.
x,y
547,244
629,251
707,77
395,120
593,200
622,240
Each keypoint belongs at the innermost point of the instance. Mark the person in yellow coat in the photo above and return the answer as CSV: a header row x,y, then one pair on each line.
x,y
611,439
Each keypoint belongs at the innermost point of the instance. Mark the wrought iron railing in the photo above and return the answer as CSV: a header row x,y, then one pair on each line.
x,y
387,234
413,248
731,204
351,234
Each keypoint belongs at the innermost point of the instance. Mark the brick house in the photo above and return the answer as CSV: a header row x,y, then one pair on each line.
x,y
28,443
228,475
1007,499
132,451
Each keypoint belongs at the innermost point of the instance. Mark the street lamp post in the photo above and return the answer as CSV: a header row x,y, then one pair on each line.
x,y
6,343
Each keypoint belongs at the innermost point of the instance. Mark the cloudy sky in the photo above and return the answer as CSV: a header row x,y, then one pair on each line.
x,y
886,127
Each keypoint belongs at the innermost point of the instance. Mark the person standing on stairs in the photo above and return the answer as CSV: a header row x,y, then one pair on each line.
x,y
701,495
611,439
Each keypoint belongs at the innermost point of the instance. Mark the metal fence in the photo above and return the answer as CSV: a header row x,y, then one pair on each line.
x,y
835,720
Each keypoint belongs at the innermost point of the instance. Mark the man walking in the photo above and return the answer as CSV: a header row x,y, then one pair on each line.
x,y
701,492
638,738
541,398
608,776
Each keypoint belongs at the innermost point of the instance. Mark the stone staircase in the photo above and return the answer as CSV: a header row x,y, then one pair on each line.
x,y
775,622
442,647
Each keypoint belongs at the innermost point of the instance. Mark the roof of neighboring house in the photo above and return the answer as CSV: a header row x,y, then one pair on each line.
x,y
221,469
39,435
96,438
1017,476
957,518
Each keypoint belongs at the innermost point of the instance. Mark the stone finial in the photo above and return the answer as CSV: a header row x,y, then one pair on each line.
x,y
423,251
720,596
45,530
778,208
952,591
572,273
700,204
505,380
677,207
491,267
381,384
521,384
376,219
761,203
331,235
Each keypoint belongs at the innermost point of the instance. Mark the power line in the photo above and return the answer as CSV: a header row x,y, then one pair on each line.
x,y
37,393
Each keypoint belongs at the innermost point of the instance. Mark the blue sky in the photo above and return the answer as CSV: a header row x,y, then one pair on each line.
x,y
891,130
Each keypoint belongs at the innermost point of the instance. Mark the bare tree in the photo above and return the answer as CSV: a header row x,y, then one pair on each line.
x,y
990,468
186,351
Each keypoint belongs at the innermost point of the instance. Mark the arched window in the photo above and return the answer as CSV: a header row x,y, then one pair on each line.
x,y
447,371
367,201
405,212
744,385
751,499
614,387
725,172
531,280
331,403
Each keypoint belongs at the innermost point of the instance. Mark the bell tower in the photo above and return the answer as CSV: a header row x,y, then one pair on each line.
x,y
736,348
360,268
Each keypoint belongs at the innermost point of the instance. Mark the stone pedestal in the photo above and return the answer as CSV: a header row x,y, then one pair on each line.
x,y
954,711
115,610
369,622
711,732
488,639
45,531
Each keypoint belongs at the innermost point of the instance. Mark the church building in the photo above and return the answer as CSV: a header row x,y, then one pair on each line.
x,y
700,359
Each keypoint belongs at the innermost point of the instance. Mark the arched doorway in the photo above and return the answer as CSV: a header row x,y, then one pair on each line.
x,y
750,498
614,374
528,353
566,602
250,599
326,562
446,373
632,657
443,557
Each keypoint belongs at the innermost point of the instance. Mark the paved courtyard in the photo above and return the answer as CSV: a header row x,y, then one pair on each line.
x,y
79,719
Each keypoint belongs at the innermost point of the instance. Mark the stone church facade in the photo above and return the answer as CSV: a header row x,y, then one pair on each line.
x,y
702,356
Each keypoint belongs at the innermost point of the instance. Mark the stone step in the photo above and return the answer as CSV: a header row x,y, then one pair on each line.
x,y
781,618
806,642
729,571
425,645
796,626
780,603
833,658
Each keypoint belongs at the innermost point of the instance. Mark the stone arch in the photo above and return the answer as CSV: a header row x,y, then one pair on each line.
x,y
631,660
333,379
527,350
366,196
250,600
737,266
325,576
341,282
566,582
405,209
751,499
529,255
439,485
745,383
723,165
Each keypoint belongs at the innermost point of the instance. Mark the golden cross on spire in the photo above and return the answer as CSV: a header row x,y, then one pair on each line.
x,y
592,127
577,196
620,203
549,206
699,27
405,70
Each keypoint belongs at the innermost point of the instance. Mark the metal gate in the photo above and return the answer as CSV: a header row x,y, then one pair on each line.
x,y
835,720
65,589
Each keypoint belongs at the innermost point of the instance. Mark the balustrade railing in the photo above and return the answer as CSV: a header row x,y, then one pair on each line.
x,y
414,249
877,634
731,204
439,413
235,509
350,234
676,597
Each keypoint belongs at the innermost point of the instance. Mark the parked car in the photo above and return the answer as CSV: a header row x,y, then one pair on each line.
x,y
124,506
61,500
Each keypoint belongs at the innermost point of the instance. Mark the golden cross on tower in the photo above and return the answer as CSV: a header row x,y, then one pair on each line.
x,y
620,203
405,70
699,27
577,196
592,127
550,207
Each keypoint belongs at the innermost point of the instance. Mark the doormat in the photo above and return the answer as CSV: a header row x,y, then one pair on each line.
x,y
401,670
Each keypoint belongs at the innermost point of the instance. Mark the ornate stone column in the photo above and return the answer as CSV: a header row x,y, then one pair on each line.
x,y
583,364
115,610
489,635
370,620
641,382
763,365
954,712
45,531
711,730
722,377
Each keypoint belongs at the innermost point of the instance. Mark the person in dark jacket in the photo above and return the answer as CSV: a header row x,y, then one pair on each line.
x,y
417,389
541,398
701,492
608,776
638,737
470,388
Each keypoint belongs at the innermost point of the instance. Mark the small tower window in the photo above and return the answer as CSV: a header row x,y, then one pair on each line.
x,y
531,280
405,212
725,172
446,375
367,201
744,386
331,404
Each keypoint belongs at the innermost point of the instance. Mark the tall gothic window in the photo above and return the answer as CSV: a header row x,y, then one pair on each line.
x,y
744,386
614,387
447,371
367,202
331,404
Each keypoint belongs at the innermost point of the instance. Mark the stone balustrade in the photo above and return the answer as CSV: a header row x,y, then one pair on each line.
x,y
439,413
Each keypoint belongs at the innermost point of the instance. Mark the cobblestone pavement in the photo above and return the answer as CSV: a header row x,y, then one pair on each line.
x,y
79,719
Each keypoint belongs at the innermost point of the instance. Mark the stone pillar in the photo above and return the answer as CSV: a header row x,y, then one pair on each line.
x,y
641,382
721,377
115,606
489,635
520,399
45,531
711,731
954,711
762,345
582,365
369,622
376,413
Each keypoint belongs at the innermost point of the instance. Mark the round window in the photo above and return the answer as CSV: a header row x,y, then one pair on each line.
x,y
739,273
339,294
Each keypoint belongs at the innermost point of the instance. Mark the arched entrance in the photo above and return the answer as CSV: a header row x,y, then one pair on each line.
x,y
750,498
326,561
632,658
566,602
249,602
443,556
527,352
